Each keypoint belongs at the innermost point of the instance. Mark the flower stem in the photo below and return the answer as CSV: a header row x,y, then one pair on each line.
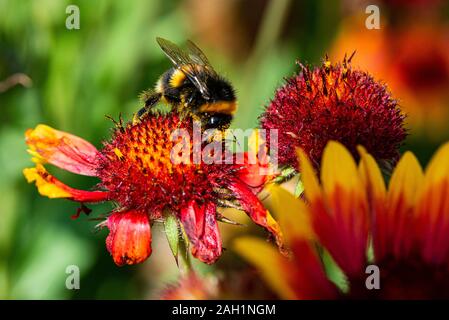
x,y
186,266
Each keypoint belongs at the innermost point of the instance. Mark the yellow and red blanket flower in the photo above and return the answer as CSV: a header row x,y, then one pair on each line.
x,y
334,102
407,225
137,173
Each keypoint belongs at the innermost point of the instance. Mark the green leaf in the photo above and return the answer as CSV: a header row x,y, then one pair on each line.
x,y
286,174
186,266
172,233
299,187
334,273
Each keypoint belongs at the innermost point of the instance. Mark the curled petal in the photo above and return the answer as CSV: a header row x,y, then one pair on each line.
x,y
51,187
256,211
62,149
129,239
201,227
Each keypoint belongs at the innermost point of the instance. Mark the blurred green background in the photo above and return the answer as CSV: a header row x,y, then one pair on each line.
x,y
71,79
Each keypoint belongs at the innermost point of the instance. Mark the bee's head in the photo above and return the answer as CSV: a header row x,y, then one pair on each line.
x,y
220,89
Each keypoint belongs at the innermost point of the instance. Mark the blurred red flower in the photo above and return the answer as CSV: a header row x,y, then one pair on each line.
x,y
413,60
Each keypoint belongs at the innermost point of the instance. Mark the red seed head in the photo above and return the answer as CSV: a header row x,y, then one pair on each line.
x,y
139,171
334,102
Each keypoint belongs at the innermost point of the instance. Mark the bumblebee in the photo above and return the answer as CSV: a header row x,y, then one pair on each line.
x,y
192,86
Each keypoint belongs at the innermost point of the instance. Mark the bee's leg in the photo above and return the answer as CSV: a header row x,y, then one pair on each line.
x,y
150,99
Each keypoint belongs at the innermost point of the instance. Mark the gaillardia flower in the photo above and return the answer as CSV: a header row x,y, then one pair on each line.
x,y
354,218
414,60
334,102
137,172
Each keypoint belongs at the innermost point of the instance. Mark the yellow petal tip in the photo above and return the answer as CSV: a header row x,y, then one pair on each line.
x,y
44,183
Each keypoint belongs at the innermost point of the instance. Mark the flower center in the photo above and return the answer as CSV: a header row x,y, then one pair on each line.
x,y
139,170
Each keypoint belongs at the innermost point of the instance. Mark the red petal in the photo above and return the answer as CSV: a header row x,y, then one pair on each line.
x,y
255,209
254,172
63,150
201,228
339,207
432,223
129,239
343,232
307,276
51,187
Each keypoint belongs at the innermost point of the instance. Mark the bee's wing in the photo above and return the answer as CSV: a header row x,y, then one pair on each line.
x,y
181,59
176,55
198,56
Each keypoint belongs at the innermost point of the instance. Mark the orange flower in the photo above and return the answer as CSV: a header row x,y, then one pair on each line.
x,y
137,171
412,60
408,225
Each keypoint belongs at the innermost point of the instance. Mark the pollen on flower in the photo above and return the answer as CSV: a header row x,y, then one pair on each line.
x,y
334,102
138,169
118,153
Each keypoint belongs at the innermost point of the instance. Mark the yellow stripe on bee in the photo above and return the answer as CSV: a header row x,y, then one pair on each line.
x,y
226,107
177,78
159,87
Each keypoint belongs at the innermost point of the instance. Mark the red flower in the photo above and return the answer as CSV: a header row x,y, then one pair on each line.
x,y
334,102
352,216
137,171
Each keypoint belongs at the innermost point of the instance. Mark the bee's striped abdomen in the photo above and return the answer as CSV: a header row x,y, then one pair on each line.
x,y
177,78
